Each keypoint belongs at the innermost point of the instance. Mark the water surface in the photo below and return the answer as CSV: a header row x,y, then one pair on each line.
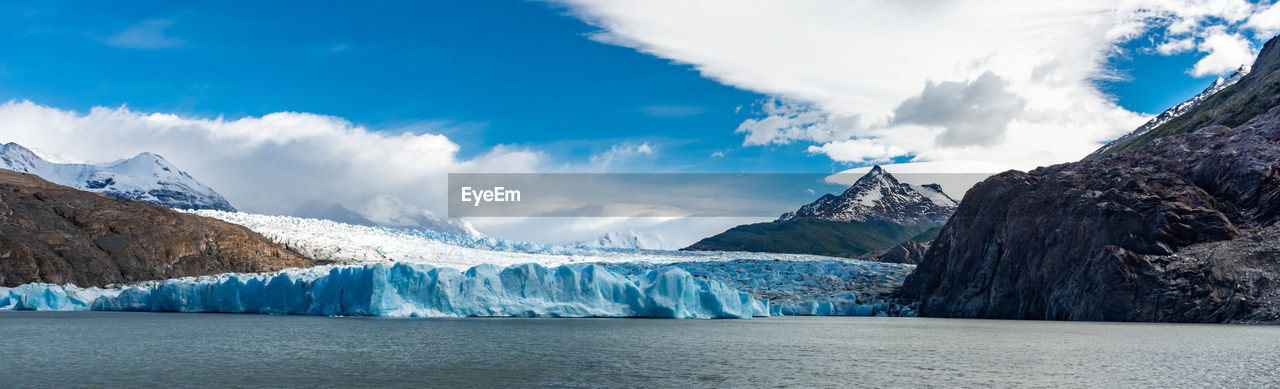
x,y
59,349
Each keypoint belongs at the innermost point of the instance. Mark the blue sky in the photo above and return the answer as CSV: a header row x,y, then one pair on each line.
x,y
481,72
244,95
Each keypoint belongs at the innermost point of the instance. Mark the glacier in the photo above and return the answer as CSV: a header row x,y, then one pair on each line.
x,y
414,290
378,271
830,287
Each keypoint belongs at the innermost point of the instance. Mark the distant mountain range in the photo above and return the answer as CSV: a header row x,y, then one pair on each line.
x,y
145,177
149,177
627,239
875,214
385,211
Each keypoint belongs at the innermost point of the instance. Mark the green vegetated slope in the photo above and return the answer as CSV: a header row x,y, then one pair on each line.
x,y
811,236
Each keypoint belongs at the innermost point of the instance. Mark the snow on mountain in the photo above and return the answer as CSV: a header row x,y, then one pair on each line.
x,y
879,196
388,211
385,211
316,209
330,241
1176,111
934,193
626,240
146,177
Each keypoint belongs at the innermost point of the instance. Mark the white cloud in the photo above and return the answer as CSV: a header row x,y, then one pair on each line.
x,y
838,69
858,150
1265,24
1226,52
147,35
1176,46
618,154
267,164
972,113
787,121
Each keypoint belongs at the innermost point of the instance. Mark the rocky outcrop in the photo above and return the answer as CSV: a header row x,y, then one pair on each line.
x,y
910,252
1182,229
56,234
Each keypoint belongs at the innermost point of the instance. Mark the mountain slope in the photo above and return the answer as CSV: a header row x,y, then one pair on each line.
x,y
1131,139
1182,228
145,177
1255,93
811,236
877,212
56,234
879,196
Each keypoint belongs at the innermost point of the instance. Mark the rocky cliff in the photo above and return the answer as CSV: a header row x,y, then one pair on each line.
x,y
56,234
1181,229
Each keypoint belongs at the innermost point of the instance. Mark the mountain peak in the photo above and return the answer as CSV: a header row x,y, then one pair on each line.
x,y
145,177
878,195
17,158
1229,101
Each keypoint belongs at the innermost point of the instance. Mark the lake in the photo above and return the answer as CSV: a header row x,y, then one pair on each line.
x,y
58,349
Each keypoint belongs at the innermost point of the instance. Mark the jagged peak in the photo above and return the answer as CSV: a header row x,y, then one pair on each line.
x,y
878,195
876,174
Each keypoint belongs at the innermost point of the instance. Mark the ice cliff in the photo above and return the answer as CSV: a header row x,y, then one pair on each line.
x,y
414,290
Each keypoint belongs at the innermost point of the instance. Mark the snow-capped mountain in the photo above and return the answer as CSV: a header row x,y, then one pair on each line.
x,y
146,177
1177,110
386,211
626,240
879,196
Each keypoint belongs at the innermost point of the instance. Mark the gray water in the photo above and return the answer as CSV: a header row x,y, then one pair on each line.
x,y
117,349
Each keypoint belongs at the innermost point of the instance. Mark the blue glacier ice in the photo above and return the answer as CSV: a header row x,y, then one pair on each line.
x,y
832,287
415,290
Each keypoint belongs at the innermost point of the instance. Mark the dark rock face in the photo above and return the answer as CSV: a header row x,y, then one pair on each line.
x,y
1182,229
52,233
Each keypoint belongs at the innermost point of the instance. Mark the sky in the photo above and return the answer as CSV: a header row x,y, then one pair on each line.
x,y
275,104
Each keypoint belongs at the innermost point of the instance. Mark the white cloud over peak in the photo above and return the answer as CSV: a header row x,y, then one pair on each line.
x,y
1008,82
267,164
972,113
858,150
1226,52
